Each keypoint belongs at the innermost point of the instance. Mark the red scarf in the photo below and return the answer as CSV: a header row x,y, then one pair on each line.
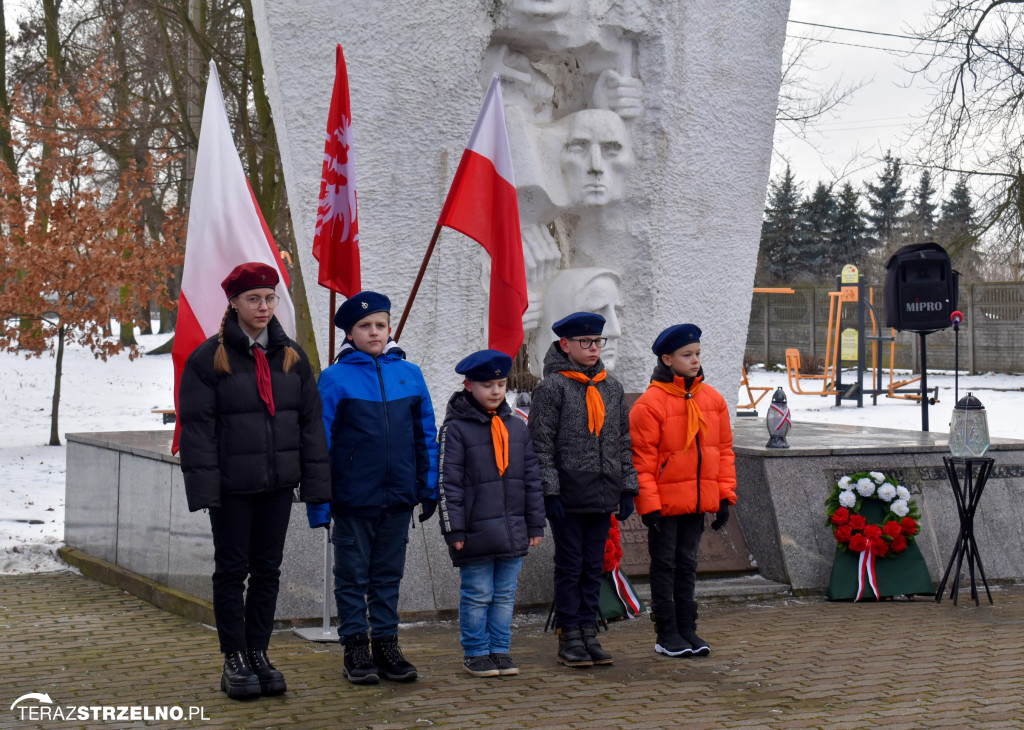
x,y
263,382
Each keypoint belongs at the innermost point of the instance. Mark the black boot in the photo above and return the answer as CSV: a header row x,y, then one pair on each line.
x,y
669,642
686,615
571,651
389,660
238,679
271,681
359,669
593,646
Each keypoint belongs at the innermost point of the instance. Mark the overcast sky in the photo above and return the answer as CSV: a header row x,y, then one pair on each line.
x,y
878,116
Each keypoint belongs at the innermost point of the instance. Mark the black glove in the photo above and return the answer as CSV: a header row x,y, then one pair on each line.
x,y
553,506
652,520
428,507
722,516
625,507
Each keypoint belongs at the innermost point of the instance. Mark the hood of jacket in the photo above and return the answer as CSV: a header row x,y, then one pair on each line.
x,y
662,373
556,359
463,407
392,351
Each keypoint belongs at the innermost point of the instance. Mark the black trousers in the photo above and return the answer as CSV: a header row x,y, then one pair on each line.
x,y
248,540
579,562
673,550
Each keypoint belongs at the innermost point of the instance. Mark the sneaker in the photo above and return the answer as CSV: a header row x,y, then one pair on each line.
x,y
481,666
506,667
359,669
672,644
700,647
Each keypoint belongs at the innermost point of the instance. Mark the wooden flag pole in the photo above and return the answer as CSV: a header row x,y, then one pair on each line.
x,y
416,284
330,327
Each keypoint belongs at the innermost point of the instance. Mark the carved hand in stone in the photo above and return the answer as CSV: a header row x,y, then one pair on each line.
x,y
622,94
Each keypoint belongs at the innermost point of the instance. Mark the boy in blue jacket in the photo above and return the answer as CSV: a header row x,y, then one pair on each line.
x,y
383,454
492,508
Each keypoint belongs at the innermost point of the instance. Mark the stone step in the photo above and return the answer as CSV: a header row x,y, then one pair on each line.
x,y
740,588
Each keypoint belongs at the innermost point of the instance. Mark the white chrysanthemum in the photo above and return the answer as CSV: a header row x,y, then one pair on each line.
x,y
903,493
878,476
847,499
900,508
846,483
865,487
886,492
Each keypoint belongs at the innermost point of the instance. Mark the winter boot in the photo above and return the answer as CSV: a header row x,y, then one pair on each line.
x,y
669,642
571,651
359,669
271,680
389,660
238,679
593,646
686,616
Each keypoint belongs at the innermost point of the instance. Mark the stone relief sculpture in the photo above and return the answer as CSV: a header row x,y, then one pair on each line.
x,y
569,97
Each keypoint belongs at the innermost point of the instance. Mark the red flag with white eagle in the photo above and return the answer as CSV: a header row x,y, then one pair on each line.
x,y
336,243
225,229
482,204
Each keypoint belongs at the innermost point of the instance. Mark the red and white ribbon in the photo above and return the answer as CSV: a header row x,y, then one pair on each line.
x,y
866,567
626,595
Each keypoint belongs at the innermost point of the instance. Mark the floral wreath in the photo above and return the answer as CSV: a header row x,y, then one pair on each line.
x,y
850,528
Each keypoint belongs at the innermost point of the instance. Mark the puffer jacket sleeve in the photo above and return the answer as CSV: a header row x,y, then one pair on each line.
x,y
330,393
450,483
629,479
545,411
645,432
197,414
315,487
426,444
535,515
727,457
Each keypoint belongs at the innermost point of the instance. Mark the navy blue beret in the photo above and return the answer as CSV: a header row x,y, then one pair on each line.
x,y
361,305
676,336
485,365
579,324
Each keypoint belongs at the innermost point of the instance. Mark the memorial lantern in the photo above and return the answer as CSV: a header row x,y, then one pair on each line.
x,y
968,430
778,420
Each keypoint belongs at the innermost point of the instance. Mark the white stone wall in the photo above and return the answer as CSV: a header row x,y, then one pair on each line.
x,y
685,235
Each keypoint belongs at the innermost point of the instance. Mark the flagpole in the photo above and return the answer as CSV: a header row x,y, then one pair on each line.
x,y
330,327
416,284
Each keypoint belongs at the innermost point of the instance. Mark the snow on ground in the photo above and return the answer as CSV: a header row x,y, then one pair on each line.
x,y
120,394
95,396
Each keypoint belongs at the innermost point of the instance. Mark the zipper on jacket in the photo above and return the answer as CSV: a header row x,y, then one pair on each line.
x,y
387,430
700,455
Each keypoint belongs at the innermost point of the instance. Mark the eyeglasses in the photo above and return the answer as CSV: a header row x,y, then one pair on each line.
x,y
253,301
587,342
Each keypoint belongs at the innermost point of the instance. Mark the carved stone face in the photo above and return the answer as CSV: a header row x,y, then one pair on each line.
x,y
596,157
543,9
581,290
602,297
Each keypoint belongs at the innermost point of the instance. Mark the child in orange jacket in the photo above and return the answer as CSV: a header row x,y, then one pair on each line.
x,y
682,451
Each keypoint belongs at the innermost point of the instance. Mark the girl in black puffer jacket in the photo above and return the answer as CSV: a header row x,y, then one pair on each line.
x,y
251,431
491,505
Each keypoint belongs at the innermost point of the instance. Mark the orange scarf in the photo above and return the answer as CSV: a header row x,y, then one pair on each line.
x,y
695,421
499,435
595,403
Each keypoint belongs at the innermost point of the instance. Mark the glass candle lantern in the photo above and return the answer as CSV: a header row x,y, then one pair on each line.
x,y
968,431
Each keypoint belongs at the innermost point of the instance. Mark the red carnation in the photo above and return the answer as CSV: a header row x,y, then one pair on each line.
x,y
908,525
858,543
899,544
879,548
841,516
872,532
857,522
892,528
843,533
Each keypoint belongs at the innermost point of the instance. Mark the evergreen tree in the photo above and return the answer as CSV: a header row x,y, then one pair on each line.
x,y
850,241
817,218
957,228
921,218
886,201
780,233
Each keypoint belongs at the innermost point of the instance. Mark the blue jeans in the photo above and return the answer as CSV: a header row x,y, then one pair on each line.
x,y
369,561
485,605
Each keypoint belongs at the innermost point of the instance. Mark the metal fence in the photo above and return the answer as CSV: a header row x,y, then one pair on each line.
x,y
991,338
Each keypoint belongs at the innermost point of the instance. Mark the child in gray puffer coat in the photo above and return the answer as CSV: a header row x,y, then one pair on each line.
x,y
491,507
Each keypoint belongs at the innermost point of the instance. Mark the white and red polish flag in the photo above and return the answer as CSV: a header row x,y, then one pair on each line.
x,y
482,204
336,243
225,229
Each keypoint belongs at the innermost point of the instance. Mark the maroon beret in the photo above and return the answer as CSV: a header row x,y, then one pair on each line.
x,y
252,275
